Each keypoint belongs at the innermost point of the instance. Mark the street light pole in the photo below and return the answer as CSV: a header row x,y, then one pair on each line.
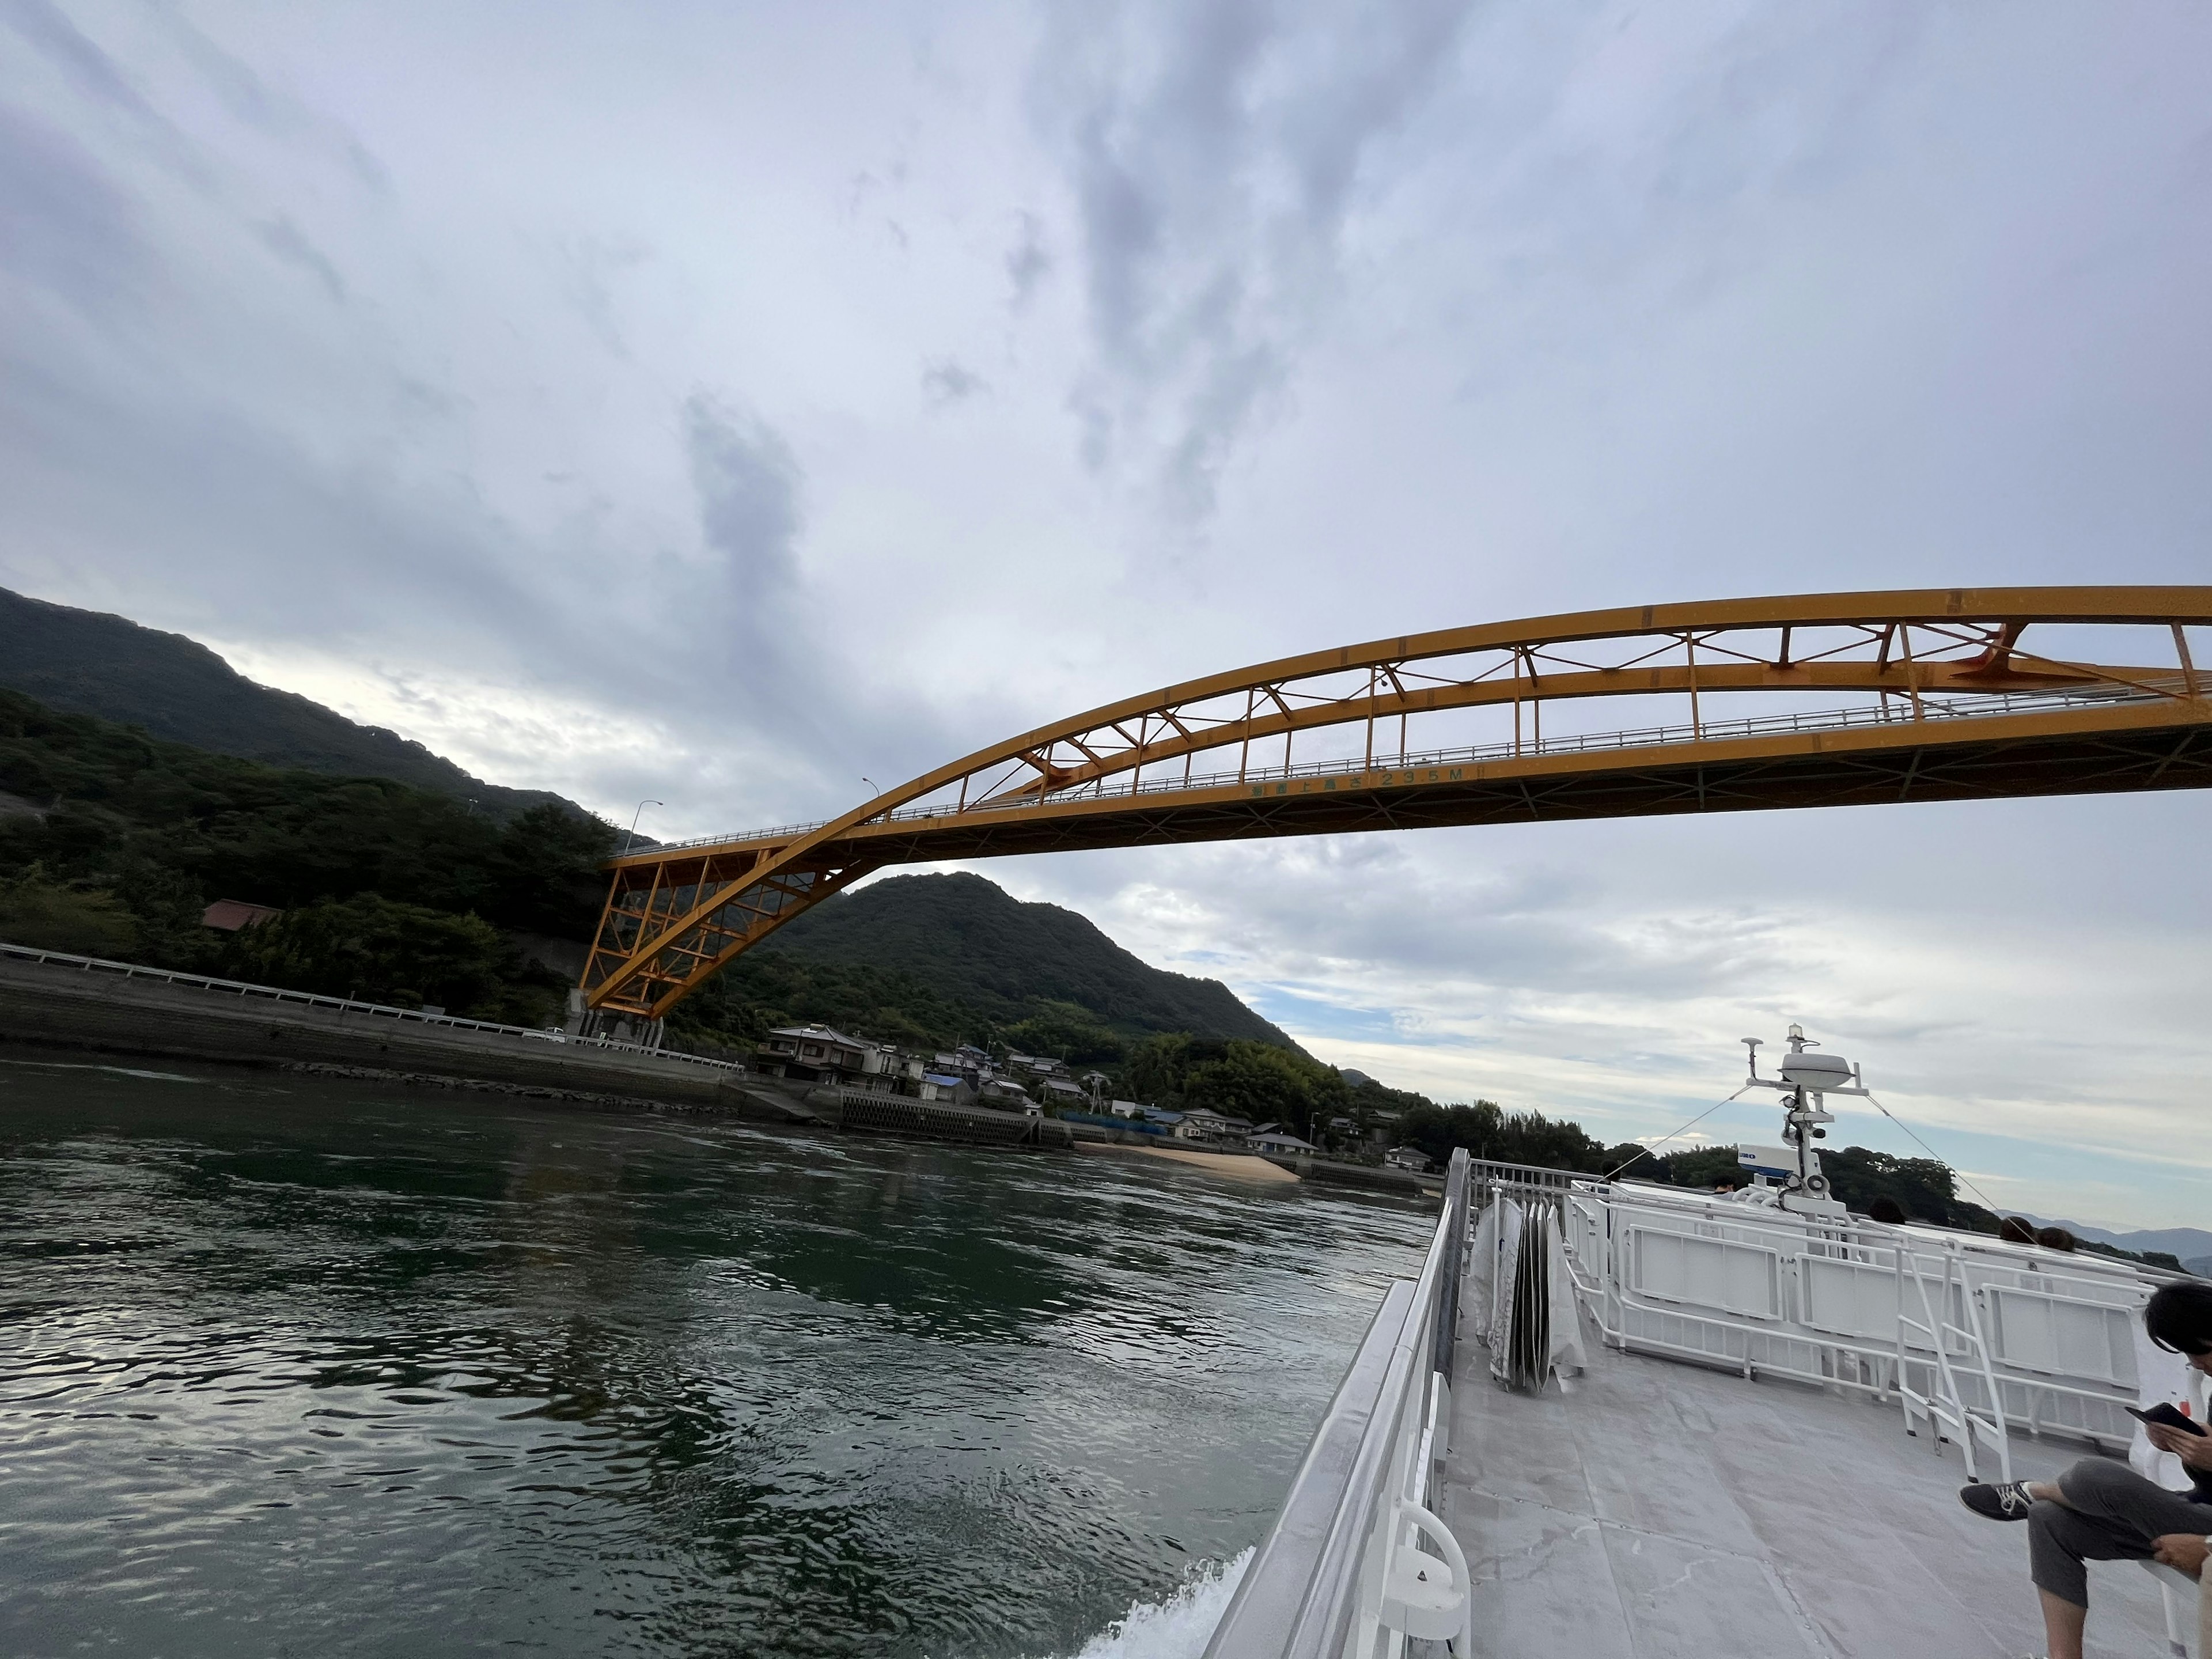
x,y
632,835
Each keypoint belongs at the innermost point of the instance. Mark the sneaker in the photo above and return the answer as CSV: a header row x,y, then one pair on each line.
x,y
2007,1502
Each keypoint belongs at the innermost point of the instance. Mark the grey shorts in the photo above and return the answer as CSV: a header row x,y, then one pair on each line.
x,y
2111,1513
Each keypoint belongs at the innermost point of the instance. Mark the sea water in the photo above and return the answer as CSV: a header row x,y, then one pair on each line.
x,y
292,1365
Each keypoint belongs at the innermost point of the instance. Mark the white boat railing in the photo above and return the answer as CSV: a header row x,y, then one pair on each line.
x,y
1356,1562
1969,1335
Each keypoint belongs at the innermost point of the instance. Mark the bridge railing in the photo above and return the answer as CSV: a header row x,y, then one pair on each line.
x,y
341,1005
1328,1582
1932,708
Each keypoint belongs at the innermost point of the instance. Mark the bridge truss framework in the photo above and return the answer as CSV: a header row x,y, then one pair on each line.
x,y
1935,694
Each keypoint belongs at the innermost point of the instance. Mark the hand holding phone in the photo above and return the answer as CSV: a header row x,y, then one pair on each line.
x,y
2165,1416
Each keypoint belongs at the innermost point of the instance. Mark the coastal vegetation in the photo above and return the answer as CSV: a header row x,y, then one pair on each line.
x,y
112,843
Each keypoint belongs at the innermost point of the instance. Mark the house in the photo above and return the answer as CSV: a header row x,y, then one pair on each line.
x,y
1059,1092
1279,1142
1409,1157
1202,1123
1126,1108
1007,1095
815,1053
946,1086
1170,1122
228,915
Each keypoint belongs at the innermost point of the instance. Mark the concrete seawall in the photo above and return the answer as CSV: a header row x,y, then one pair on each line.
x,y
48,1006
869,1113
1404,1182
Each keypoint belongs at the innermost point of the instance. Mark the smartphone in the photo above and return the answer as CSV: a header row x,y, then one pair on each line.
x,y
2164,1414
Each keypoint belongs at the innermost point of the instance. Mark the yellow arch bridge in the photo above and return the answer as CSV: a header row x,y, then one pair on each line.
x,y
1959,694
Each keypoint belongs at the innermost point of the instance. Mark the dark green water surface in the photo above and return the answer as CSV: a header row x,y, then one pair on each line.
x,y
296,1367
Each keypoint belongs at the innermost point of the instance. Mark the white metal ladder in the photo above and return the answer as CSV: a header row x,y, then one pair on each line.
x,y
1943,1406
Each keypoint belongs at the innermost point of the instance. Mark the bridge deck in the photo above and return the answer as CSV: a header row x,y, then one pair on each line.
x,y
1666,1510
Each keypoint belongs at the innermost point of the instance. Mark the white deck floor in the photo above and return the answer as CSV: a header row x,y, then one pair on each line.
x,y
1665,1509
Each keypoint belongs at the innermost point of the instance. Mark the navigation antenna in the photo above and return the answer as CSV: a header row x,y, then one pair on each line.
x,y
1807,1078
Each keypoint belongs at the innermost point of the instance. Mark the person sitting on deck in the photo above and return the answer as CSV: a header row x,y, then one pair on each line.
x,y
2102,1511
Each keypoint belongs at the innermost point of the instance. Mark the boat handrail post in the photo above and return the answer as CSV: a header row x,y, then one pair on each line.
x,y
1319,1586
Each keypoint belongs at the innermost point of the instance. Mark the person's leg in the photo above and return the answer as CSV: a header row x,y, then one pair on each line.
x,y
2062,1623
2114,1493
2059,1542
2101,1511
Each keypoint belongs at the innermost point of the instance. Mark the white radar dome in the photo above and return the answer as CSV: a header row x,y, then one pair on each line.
x,y
1808,1070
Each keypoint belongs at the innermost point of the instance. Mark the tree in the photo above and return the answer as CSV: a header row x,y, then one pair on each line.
x,y
1066,1030
547,877
1634,1161
46,916
370,948
1923,1187
1702,1166
1489,1132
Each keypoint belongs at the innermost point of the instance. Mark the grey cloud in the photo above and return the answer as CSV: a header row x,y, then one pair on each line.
x,y
748,482
254,101
1028,262
1308,912
589,268
284,238
97,76
761,628
1214,186
90,68
948,381
231,518
65,227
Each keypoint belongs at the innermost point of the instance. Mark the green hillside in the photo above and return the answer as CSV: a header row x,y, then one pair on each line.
x,y
938,960
88,663
112,842
970,941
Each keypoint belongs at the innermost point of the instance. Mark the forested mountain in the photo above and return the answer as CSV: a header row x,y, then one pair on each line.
x,y
86,662
112,842
969,938
950,958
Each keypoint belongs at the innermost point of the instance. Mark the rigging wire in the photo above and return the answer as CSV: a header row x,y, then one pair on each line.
x,y
1692,1124
1931,1152
1653,1148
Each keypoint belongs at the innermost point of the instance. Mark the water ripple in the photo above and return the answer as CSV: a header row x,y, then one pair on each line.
x,y
327,1366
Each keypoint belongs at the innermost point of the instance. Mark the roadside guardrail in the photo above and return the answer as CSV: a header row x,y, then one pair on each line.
x,y
341,1005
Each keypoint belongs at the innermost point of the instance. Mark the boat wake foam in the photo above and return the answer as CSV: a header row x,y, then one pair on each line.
x,y
1177,1628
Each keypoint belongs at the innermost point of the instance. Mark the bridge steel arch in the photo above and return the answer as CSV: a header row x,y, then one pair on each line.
x,y
1932,695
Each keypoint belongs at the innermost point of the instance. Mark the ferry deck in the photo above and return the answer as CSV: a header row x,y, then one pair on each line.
x,y
1668,1512
1614,1422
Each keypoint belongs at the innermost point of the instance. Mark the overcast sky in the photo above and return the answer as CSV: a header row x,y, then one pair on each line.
x,y
722,403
